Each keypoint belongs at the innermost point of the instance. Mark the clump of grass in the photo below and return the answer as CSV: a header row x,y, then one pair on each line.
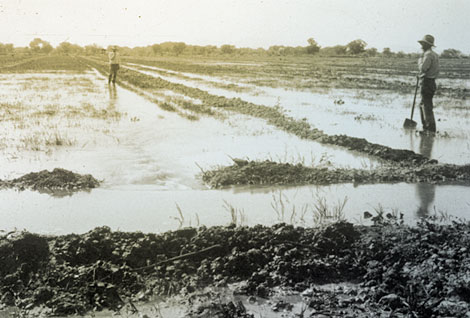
x,y
91,111
56,139
380,216
37,141
179,217
237,216
279,204
322,213
362,117
283,208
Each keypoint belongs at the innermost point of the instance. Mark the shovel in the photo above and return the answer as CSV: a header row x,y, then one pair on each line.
x,y
410,123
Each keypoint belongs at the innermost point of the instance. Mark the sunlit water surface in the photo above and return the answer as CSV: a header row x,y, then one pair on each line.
x,y
149,160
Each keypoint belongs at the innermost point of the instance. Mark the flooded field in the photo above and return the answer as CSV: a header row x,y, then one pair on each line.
x,y
188,175
149,159
374,114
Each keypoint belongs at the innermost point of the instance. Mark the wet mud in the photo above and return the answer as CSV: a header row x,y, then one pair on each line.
x,y
244,172
57,181
396,270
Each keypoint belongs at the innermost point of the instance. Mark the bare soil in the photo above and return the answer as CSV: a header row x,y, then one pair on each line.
x,y
396,270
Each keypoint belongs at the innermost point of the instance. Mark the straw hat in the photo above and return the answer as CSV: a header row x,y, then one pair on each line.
x,y
428,39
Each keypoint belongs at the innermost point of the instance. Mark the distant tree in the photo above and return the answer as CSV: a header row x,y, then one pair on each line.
x,y
142,51
451,53
300,50
414,55
167,47
340,49
47,48
274,50
6,48
333,50
36,45
284,50
227,49
39,46
178,48
64,48
401,54
157,49
387,52
246,51
210,49
371,52
313,46
93,49
196,50
22,50
260,51
356,47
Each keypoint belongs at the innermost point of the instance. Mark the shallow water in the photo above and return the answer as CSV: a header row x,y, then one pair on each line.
x,y
147,210
148,160
147,145
375,115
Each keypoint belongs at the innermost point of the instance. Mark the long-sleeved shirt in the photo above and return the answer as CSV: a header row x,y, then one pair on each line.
x,y
428,64
114,58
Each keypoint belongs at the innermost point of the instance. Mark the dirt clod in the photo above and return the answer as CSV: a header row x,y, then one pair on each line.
x,y
57,180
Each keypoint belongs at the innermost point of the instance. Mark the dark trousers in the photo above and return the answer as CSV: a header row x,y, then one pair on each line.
x,y
113,69
428,88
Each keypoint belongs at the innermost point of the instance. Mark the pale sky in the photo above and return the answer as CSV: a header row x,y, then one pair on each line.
x,y
397,24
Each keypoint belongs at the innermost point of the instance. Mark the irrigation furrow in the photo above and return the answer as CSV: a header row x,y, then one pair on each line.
x,y
274,116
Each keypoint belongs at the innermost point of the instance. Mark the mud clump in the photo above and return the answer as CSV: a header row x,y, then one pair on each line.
x,y
101,269
222,310
244,172
22,252
386,153
52,181
22,256
421,271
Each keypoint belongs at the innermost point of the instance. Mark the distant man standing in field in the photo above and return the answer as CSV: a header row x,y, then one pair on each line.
x,y
428,65
113,64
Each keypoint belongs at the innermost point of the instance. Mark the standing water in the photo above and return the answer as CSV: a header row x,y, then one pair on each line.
x,y
149,160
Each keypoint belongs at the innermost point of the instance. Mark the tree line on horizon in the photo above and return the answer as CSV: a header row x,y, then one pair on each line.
x,y
355,48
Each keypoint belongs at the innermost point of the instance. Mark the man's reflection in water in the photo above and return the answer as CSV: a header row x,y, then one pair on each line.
x,y
425,191
112,96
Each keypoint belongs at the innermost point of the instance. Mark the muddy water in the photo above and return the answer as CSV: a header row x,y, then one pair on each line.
x,y
148,160
375,115
144,210
149,146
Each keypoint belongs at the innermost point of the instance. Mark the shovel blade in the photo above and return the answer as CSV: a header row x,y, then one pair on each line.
x,y
409,124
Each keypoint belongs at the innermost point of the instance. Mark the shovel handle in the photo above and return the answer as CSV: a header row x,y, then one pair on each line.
x,y
414,99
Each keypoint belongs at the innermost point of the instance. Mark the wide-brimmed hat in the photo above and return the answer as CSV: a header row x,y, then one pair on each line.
x,y
428,39
114,48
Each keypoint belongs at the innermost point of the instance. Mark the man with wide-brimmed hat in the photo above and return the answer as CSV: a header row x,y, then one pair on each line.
x,y
428,65
113,64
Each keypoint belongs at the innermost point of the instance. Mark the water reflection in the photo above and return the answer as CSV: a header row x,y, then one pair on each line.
x,y
426,191
112,96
